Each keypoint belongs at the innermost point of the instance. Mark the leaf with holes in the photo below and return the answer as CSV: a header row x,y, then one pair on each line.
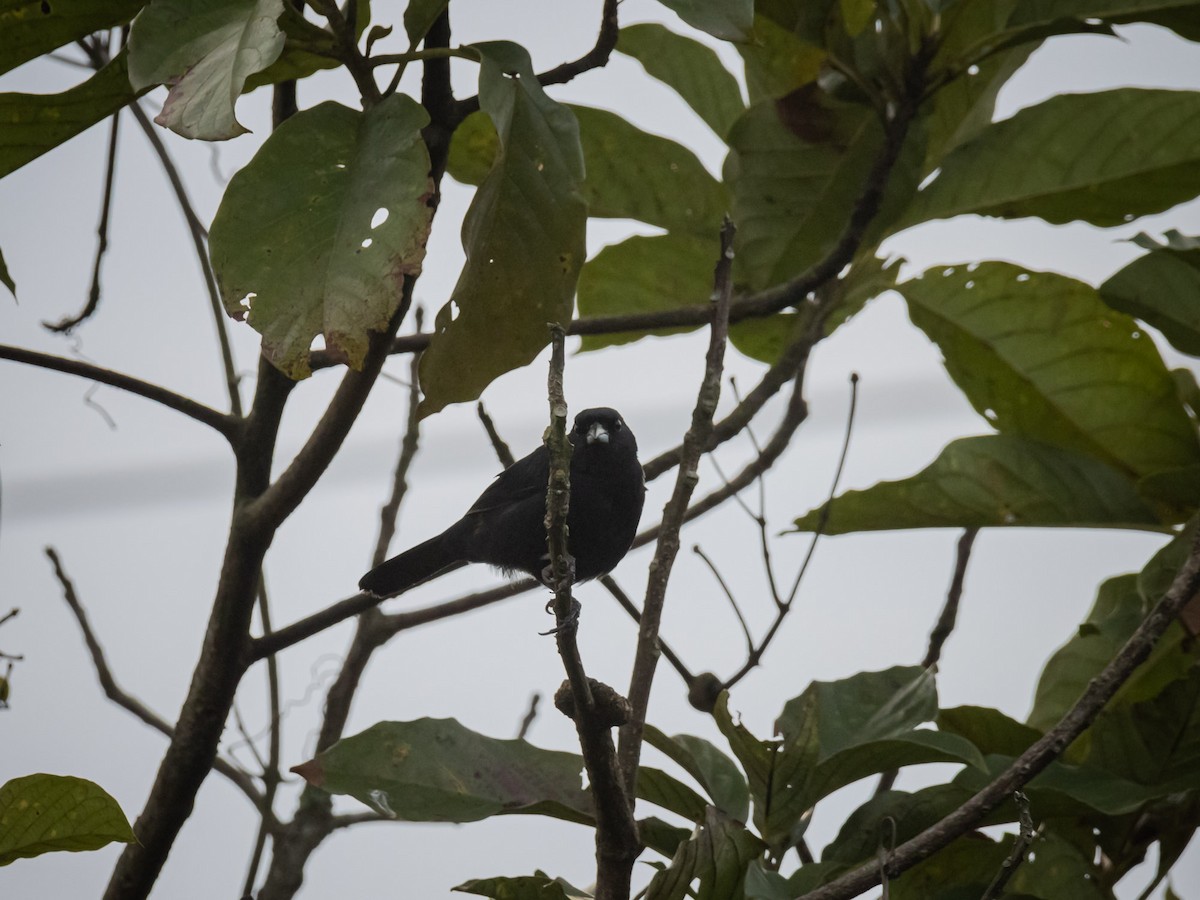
x,y
43,813
691,69
1162,289
523,236
27,30
994,480
204,50
1041,356
36,123
319,230
1103,158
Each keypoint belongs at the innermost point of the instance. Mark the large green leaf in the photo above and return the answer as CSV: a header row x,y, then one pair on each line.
x,y
990,730
1102,158
436,770
523,236
1162,289
890,818
320,228
29,28
644,274
793,187
631,174
538,886
31,124
712,769
1040,355
994,480
43,813
205,50
728,20
710,865
691,69
777,61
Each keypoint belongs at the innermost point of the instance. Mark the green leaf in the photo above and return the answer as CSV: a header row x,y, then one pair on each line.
x,y
1162,289
30,29
793,187
320,228
205,50
657,787
890,818
716,857
1103,158
994,480
1119,11
711,768
631,174
523,236
988,729
1116,613
777,62
691,69
5,278
436,770
419,16
1054,867
539,886
765,884
660,836
307,48
31,124
856,14
1041,356
43,813
728,20
645,274
758,759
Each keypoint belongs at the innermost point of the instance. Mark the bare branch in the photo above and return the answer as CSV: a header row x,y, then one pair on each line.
x,y
348,52
636,614
1041,753
694,443
66,325
1020,849
949,614
227,426
503,451
530,715
737,610
131,704
408,451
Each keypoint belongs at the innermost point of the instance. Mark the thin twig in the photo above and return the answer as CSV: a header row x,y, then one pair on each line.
x,y
1020,849
784,606
737,610
949,615
131,704
503,451
224,424
1041,753
408,451
348,52
11,614
65,326
530,715
694,443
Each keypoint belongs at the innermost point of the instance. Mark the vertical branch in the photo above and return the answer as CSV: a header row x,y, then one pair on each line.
x,y
697,438
594,707
949,615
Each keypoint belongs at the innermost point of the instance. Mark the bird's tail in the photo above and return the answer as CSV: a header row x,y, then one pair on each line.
x,y
411,567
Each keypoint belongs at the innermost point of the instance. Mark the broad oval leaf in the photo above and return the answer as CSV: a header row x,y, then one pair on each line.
x,y
693,70
32,124
205,50
320,228
1103,158
631,174
436,770
43,813
29,29
1040,355
538,886
713,770
645,274
994,480
523,236
1162,289
728,20
711,864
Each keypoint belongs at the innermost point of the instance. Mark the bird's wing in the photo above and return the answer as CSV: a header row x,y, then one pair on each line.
x,y
525,478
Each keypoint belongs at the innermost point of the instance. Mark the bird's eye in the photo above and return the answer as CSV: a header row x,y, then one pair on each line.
x,y
617,425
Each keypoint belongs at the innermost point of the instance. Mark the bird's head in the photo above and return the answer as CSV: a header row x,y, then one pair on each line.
x,y
602,426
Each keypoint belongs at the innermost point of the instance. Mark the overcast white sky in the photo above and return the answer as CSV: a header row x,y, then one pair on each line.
x,y
139,511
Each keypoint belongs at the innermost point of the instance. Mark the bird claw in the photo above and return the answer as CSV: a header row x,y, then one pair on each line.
x,y
569,623
568,578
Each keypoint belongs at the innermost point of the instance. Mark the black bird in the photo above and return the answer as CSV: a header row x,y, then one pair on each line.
x,y
506,526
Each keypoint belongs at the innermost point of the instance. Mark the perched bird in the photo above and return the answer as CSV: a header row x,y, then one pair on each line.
x,y
506,526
